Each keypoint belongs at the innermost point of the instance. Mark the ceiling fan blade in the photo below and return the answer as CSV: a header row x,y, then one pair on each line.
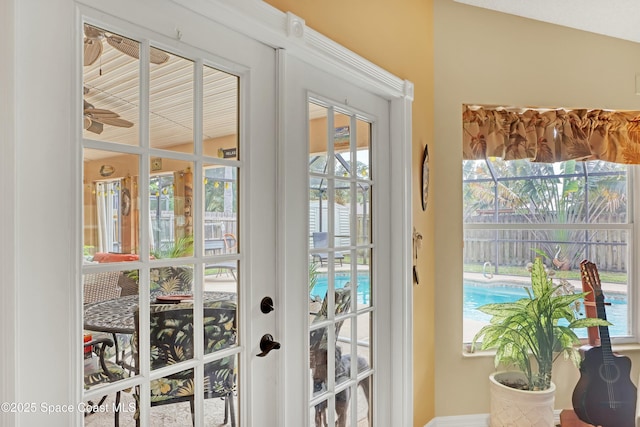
x,y
113,121
100,112
156,56
132,48
92,32
92,50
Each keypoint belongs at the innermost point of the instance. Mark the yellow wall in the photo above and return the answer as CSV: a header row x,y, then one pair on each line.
x,y
486,57
396,35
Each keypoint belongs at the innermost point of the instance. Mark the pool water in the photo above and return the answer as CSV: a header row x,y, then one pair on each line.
x,y
476,295
340,281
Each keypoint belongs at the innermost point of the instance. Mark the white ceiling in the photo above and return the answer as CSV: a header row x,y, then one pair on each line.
x,y
614,18
113,83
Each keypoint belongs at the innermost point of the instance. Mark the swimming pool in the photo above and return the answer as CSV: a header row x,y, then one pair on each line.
x,y
340,281
476,294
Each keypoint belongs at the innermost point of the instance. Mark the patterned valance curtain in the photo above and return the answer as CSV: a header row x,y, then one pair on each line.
x,y
551,135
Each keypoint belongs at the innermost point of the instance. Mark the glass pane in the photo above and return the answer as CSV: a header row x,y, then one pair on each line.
x,y
344,339
318,164
220,114
171,331
364,344
106,344
221,276
111,86
363,212
170,205
363,261
319,414
220,210
342,213
98,412
318,137
174,389
220,385
110,299
169,282
220,321
342,144
363,402
171,104
318,360
111,211
363,149
496,268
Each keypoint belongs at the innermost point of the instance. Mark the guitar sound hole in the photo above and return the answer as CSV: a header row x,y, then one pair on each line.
x,y
609,373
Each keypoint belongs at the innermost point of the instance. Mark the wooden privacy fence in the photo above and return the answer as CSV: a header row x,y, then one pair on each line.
x,y
607,248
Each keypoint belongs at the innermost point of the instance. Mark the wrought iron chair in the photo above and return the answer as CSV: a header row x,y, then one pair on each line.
x,y
98,369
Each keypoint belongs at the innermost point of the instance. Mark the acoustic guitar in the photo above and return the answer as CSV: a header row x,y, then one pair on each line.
x,y
604,395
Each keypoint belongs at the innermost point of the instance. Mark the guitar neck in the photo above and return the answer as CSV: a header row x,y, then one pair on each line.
x,y
590,274
605,339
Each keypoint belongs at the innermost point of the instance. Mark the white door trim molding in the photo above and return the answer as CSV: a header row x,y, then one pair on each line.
x,y
267,24
8,235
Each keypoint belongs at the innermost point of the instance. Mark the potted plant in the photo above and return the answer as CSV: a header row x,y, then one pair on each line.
x,y
531,334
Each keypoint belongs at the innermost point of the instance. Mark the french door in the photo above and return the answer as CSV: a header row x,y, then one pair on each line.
x,y
246,253
337,139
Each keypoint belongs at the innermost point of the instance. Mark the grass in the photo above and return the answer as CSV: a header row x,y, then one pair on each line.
x,y
605,276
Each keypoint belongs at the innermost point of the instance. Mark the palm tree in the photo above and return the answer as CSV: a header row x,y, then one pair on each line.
x,y
547,193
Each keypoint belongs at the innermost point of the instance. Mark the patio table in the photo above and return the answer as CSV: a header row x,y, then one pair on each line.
x,y
116,315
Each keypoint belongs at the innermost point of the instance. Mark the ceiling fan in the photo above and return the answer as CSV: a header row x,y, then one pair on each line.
x,y
96,118
93,46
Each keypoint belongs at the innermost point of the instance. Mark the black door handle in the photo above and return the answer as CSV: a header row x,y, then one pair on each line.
x,y
266,305
267,344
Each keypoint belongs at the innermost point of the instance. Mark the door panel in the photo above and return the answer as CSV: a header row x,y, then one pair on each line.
x,y
346,165
178,156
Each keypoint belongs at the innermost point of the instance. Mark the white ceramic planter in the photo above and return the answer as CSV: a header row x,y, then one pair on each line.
x,y
511,407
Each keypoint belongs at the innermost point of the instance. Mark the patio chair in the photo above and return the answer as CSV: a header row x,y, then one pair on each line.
x,y
230,243
230,247
98,369
101,286
320,241
171,339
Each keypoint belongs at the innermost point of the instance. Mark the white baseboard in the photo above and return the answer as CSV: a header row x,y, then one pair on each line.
x,y
476,420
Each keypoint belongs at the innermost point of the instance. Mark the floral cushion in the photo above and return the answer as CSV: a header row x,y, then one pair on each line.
x,y
95,375
99,368
171,339
170,280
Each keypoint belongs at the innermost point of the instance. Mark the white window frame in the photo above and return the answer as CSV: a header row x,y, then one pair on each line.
x,y
633,206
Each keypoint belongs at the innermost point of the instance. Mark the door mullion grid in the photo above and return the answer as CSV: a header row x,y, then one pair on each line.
x,y
144,272
198,230
353,338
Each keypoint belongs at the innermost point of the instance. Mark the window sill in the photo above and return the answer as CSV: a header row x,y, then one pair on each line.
x,y
617,348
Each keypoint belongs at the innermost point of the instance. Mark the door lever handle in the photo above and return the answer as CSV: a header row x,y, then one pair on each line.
x,y
267,344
